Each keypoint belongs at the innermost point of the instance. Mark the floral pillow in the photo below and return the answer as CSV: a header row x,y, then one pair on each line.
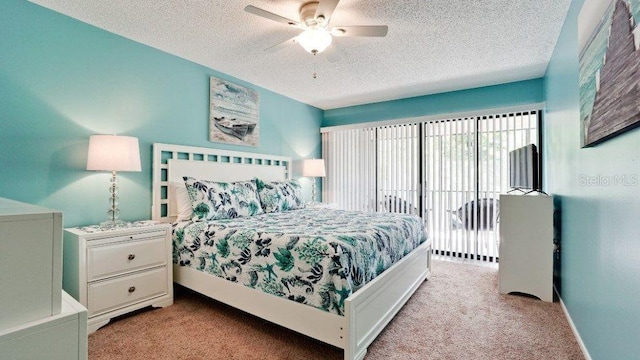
x,y
278,196
213,200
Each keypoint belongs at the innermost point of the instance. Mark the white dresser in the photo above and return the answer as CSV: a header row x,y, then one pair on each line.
x,y
58,337
30,263
526,245
37,319
113,272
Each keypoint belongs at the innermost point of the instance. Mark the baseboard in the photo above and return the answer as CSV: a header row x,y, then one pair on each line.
x,y
585,352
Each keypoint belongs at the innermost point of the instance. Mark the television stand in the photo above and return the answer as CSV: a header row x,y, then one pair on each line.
x,y
527,191
526,245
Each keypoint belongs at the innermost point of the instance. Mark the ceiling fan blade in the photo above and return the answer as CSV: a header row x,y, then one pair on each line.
x,y
282,45
326,8
271,16
333,54
364,30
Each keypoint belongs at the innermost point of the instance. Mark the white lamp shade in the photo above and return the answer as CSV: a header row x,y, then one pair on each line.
x,y
313,168
315,40
113,153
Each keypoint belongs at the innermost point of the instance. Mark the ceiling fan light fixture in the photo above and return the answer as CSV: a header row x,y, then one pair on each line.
x,y
315,40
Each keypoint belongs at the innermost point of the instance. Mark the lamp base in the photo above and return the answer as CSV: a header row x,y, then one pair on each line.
x,y
313,190
113,213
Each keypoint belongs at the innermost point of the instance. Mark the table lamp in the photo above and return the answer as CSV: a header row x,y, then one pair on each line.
x,y
313,168
113,153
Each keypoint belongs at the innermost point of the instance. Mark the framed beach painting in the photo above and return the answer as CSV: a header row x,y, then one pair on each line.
x,y
234,113
609,38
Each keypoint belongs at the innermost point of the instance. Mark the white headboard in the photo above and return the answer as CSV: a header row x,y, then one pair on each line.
x,y
172,162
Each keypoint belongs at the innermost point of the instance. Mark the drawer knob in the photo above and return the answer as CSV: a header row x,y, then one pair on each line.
x,y
132,289
131,257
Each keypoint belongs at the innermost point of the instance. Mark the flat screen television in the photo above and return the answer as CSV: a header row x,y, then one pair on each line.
x,y
523,168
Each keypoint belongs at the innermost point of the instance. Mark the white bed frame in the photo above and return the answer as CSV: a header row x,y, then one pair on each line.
x,y
367,311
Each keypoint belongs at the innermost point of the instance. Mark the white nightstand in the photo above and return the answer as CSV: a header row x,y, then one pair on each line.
x,y
112,272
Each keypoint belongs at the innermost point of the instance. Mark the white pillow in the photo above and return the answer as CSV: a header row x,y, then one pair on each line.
x,y
184,211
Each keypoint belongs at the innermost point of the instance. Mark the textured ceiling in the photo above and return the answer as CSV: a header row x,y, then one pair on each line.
x,y
432,46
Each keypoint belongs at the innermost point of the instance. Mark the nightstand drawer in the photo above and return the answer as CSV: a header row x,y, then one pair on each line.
x,y
109,260
119,292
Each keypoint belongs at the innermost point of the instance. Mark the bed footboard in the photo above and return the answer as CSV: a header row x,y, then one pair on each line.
x,y
304,319
372,307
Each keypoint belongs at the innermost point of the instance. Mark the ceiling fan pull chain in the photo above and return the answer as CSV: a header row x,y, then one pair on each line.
x,y
315,74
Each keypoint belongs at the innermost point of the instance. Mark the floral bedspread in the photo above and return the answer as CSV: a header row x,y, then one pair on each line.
x,y
313,256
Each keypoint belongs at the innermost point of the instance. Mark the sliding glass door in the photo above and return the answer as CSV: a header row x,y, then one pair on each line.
x,y
450,172
466,170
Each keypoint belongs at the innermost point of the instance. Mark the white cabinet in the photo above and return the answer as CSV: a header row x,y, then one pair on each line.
x,y
526,245
59,337
30,263
37,319
115,271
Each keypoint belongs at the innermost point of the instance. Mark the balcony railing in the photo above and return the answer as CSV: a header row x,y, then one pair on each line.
x,y
458,224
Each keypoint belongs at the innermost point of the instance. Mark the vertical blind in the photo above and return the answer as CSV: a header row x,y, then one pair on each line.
x,y
373,169
350,160
450,172
398,180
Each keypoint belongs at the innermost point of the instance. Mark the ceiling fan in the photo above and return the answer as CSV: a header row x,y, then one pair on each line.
x,y
314,21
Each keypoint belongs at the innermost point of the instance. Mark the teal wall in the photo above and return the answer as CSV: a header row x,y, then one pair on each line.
x,y
600,233
489,97
62,80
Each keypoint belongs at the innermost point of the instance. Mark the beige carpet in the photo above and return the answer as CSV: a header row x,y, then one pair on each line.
x,y
457,314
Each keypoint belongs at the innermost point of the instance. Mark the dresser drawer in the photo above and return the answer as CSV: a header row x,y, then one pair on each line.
x,y
57,337
126,290
119,258
58,342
